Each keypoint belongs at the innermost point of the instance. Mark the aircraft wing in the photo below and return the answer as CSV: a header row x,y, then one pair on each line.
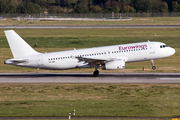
x,y
98,60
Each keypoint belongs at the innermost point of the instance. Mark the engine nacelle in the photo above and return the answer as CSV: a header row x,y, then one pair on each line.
x,y
114,65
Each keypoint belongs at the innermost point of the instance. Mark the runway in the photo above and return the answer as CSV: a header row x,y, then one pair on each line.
x,y
87,26
170,78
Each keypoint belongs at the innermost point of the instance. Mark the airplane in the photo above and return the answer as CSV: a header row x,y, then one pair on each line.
x,y
108,57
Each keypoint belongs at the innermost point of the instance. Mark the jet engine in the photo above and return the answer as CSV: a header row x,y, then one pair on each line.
x,y
114,65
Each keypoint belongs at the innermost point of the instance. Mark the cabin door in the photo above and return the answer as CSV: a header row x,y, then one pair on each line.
x,y
151,49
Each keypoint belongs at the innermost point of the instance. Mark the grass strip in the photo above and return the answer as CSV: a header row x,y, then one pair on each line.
x,y
153,100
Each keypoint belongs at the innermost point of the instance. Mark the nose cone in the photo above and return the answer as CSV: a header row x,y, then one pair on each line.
x,y
172,51
168,51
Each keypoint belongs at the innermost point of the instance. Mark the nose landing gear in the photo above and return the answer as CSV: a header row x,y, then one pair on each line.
x,y
152,63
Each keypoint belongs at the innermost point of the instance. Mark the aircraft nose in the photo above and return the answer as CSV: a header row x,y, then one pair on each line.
x,y
172,51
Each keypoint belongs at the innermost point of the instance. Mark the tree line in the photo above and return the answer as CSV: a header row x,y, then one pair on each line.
x,y
88,6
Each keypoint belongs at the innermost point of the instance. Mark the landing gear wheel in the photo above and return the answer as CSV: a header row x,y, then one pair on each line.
x,y
96,73
153,67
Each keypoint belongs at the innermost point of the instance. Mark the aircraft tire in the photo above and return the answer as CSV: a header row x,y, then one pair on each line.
x,y
153,67
96,73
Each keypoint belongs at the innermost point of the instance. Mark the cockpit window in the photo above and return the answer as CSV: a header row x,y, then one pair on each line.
x,y
163,46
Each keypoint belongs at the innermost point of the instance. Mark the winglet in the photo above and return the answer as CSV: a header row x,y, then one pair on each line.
x,y
19,47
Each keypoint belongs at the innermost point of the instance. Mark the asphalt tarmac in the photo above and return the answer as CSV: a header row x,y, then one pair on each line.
x,y
170,78
88,26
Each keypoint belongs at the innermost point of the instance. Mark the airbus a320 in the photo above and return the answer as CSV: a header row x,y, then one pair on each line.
x,y
108,57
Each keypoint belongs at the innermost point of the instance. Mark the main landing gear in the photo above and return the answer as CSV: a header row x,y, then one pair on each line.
x,y
152,63
96,72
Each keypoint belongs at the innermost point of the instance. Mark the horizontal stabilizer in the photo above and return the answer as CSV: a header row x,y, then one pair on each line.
x,y
15,61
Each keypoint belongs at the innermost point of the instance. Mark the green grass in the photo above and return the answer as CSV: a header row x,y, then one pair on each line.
x,y
50,40
134,21
84,38
90,99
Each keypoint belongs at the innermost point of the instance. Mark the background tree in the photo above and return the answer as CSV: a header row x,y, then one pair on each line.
x,y
95,9
116,9
142,5
164,7
55,9
42,3
175,6
67,3
81,6
89,6
29,8
7,6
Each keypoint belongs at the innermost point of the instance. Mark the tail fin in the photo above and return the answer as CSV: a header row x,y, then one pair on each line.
x,y
19,47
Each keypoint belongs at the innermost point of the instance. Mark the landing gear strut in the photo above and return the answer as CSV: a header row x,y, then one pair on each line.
x,y
152,63
96,72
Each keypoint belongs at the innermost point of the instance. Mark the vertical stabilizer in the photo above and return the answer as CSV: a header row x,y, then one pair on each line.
x,y
19,47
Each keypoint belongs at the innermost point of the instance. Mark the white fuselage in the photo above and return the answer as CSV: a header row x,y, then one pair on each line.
x,y
69,59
